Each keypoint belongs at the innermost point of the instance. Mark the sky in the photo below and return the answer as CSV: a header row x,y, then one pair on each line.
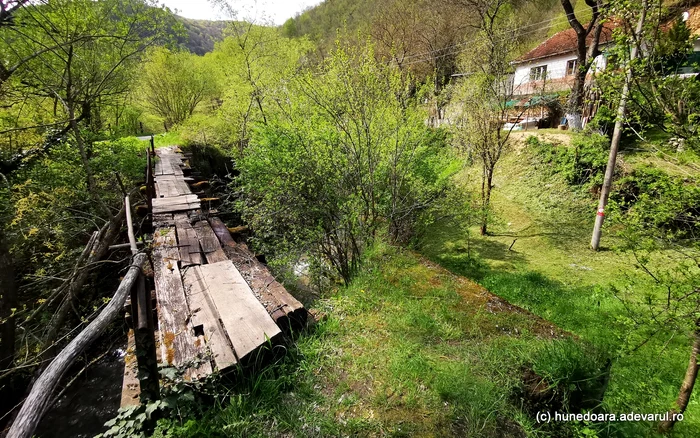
x,y
277,11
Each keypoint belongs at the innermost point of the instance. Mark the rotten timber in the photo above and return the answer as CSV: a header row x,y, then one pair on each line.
x,y
286,310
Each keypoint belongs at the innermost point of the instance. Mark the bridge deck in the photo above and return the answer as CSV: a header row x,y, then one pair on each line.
x,y
209,316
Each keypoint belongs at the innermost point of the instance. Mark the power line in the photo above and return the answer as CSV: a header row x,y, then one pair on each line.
x,y
550,21
465,43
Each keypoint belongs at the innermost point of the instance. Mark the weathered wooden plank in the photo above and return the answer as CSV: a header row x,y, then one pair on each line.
x,y
175,200
130,385
209,242
177,341
278,302
205,318
187,240
175,208
245,320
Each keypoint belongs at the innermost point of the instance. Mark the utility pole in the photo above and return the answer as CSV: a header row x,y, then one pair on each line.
x,y
617,132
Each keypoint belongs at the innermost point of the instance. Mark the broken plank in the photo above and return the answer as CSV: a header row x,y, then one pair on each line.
x,y
245,320
175,208
187,240
177,341
205,318
175,200
209,242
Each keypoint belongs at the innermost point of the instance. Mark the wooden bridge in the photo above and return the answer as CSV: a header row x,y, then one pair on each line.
x,y
216,304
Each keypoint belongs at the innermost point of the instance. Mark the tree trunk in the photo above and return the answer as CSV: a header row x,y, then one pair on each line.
x,y
486,184
584,57
617,134
8,301
39,399
686,390
575,103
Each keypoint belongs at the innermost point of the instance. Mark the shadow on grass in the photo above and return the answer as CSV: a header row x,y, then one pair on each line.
x,y
588,312
465,255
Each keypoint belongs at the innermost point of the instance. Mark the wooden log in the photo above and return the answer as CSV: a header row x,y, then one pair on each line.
x,y
125,245
286,310
206,319
247,323
38,401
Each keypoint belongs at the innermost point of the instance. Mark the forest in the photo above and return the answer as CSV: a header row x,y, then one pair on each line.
x,y
474,256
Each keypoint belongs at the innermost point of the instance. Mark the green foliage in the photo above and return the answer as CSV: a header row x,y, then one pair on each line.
x,y
653,203
582,164
349,151
253,66
665,93
52,211
173,84
177,397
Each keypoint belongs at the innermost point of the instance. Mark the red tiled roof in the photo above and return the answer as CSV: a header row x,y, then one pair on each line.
x,y
563,42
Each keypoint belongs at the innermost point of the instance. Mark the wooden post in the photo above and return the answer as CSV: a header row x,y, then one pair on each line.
x,y
146,357
153,146
142,315
150,189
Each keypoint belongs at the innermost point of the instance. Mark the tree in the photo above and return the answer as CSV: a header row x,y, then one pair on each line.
x,y
347,152
70,59
253,64
485,95
617,132
587,49
173,84
659,215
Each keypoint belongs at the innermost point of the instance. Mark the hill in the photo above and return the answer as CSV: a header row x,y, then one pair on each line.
x,y
420,34
200,35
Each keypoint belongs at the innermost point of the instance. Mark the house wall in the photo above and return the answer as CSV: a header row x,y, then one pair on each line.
x,y
557,80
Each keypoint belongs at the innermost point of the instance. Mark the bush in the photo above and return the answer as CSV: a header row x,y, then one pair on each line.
x,y
582,164
649,199
349,157
575,373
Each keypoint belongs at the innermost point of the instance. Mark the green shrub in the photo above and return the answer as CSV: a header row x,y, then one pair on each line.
x,y
582,164
575,371
650,199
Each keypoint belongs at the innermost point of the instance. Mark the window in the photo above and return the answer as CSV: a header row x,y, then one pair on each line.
x,y
571,67
538,73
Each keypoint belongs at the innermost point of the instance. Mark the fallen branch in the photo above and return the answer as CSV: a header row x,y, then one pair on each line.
x,y
38,401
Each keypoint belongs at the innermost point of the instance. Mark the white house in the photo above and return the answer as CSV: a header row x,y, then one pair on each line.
x,y
551,66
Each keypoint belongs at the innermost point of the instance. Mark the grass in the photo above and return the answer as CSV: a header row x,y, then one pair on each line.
x,y
414,348
551,272
409,349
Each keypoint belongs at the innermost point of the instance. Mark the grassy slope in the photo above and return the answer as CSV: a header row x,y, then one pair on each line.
x,y
409,349
552,273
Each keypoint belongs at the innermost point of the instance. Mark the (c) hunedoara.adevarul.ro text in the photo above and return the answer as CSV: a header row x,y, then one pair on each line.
x,y
548,417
